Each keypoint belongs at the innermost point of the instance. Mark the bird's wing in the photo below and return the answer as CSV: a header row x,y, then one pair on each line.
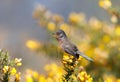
x,y
69,48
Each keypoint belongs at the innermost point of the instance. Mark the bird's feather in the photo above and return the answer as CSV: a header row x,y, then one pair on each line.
x,y
70,48
83,55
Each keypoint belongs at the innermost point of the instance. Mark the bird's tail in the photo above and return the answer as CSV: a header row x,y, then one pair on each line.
x,y
86,57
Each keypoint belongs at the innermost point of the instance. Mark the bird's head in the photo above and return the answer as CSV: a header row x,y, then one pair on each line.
x,y
60,35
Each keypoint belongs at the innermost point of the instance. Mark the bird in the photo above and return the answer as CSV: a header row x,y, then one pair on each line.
x,y
67,46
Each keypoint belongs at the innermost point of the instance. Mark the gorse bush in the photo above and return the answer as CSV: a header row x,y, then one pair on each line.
x,y
8,70
71,71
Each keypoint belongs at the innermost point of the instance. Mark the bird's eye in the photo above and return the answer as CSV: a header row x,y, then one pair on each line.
x,y
58,33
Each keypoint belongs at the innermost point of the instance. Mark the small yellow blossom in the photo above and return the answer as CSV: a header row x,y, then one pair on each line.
x,y
51,74
112,43
13,71
47,68
108,29
42,23
48,15
117,31
73,18
51,26
38,10
76,18
82,76
70,60
101,54
29,72
6,69
106,38
17,77
109,78
118,80
114,19
74,77
29,76
35,74
49,79
57,18
105,4
18,61
66,57
29,79
95,23
65,27
54,67
90,80
80,58
42,79
33,44
82,73
19,64
90,51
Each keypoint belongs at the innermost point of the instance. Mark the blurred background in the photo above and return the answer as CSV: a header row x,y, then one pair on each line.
x,y
19,27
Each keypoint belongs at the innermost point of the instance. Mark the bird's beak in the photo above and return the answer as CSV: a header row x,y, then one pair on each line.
x,y
54,34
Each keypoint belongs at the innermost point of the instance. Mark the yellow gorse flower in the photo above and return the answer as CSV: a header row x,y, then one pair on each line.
x,y
106,38
29,79
18,61
118,80
105,4
49,79
13,71
114,19
76,17
17,77
31,73
32,44
51,26
83,77
6,69
117,31
42,78
57,18
65,27
35,75
95,23
67,58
